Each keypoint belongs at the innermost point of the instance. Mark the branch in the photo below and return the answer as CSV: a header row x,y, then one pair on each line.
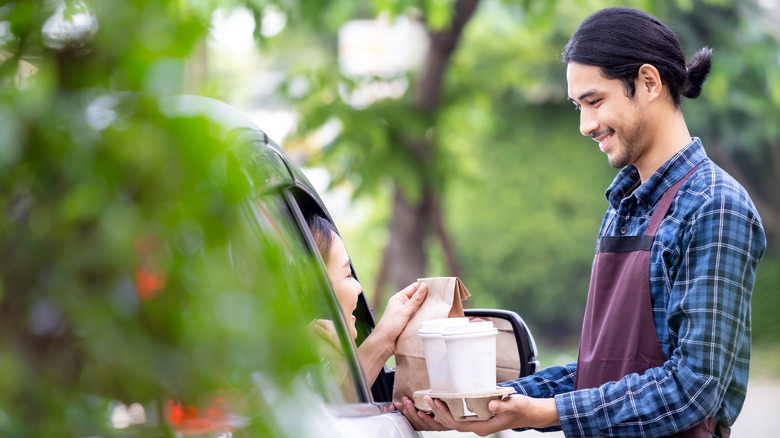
x,y
442,44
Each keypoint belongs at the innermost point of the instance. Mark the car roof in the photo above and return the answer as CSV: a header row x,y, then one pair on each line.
x,y
265,163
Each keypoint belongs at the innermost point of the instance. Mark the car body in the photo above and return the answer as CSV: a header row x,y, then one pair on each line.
x,y
274,199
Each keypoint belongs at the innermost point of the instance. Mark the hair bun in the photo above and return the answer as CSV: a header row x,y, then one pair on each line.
x,y
697,72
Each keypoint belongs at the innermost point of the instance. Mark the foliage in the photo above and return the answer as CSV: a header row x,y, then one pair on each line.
x,y
117,218
369,158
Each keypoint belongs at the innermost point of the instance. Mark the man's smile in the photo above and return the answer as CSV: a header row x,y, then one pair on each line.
x,y
603,138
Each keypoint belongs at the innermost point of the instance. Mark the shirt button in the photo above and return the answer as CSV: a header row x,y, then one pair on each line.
x,y
623,230
644,205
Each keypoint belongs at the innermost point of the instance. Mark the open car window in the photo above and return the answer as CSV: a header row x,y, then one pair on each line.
x,y
381,389
279,210
339,379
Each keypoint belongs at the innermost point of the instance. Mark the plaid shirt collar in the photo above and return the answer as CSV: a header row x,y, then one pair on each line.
x,y
650,192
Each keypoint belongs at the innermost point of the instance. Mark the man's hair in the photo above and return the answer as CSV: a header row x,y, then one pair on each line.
x,y
620,40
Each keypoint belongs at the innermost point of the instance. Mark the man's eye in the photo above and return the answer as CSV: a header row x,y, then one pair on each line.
x,y
594,102
577,107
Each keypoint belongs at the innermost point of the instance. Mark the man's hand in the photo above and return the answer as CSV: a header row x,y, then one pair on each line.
x,y
512,412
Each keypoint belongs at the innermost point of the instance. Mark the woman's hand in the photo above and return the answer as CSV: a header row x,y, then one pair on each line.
x,y
326,329
399,310
419,420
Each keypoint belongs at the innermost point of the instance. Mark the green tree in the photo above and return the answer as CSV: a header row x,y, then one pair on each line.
x,y
115,285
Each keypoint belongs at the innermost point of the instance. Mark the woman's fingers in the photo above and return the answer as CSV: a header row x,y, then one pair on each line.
x,y
410,290
419,419
419,295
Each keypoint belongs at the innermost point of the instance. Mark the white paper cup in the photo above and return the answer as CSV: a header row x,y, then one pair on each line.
x,y
471,352
436,353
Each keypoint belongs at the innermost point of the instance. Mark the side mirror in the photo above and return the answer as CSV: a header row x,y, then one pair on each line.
x,y
516,354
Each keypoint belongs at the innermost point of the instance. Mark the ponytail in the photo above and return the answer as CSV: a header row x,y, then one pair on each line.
x,y
697,72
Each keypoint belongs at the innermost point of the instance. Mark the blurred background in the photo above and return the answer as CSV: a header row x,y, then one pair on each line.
x,y
441,135
438,132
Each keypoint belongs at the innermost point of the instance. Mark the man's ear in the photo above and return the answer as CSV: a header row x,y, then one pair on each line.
x,y
648,82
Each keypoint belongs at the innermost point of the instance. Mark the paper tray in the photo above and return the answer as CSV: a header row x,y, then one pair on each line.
x,y
464,406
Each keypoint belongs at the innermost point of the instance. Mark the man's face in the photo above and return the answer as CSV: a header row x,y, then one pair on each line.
x,y
607,114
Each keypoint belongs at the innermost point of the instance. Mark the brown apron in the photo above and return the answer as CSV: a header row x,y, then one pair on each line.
x,y
618,332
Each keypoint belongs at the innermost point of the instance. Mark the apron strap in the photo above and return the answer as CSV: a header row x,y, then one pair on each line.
x,y
666,201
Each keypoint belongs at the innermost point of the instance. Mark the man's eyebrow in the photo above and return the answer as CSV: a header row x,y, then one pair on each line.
x,y
584,95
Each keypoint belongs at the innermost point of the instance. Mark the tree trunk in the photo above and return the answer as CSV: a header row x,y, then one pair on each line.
x,y
404,257
436,221
403,260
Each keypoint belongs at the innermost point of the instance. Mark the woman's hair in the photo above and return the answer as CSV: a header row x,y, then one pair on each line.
x,y
620,40
323,232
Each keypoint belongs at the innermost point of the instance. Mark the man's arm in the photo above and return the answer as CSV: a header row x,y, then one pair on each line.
x,y
545,383
541,385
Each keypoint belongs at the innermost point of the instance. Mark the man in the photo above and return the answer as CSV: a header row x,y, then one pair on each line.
x,y
665,344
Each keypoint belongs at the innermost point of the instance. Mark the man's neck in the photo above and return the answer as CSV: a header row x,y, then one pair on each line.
x,y
672,136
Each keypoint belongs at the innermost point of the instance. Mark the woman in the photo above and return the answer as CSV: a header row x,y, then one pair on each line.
x,y
377,348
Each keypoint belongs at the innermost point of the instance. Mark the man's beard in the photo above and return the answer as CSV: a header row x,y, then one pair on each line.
x,y
631,146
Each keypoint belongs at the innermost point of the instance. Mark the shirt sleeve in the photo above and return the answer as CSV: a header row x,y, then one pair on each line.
x,y
708,318
545,384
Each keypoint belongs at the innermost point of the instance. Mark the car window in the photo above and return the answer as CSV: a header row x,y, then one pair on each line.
x,y
337,380
279,209
381,389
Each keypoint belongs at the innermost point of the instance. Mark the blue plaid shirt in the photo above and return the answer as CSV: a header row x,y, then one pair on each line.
x,y
702,268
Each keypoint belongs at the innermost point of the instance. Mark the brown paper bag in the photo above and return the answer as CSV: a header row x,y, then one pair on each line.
x,y
444,300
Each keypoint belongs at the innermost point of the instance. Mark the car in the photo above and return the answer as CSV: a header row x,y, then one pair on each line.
x,y
293,388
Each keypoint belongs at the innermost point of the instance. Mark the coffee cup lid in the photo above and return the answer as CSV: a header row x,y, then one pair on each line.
x,y
437,326
470,328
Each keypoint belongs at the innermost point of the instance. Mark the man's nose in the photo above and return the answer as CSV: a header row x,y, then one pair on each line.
x,y
588,123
